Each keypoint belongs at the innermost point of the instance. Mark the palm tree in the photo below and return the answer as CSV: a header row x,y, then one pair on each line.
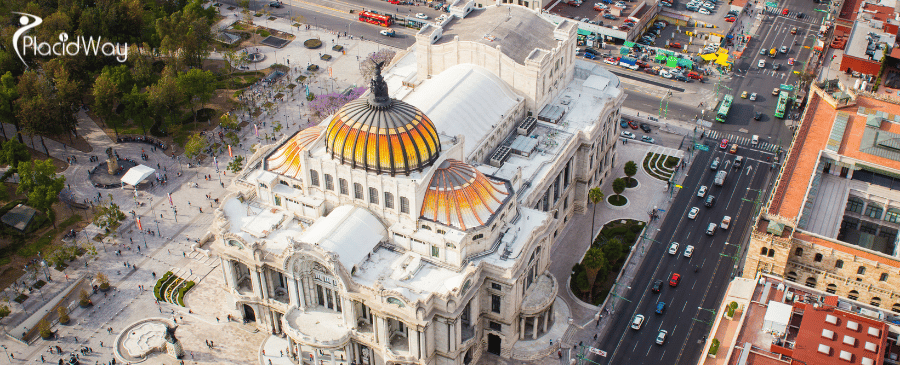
x,y
594,261
630,170
595,195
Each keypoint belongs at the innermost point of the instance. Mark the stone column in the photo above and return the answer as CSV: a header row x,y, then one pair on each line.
x,y
452,339
315,353
333,360
521,328
534,331
413,336
228,271
546,318
349,312
301,292
254,281
264,280
383,335
292,292
458,336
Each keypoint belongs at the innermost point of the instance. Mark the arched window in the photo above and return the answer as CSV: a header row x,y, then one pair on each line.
x,y
357,191
763,251
373,195
853,295
313,178
818,257
811,282
831,289
798,251
874,210
896,308
404,205
792,276
388,200
876,301
855,205
892,215
861,270
839,264
884,277
771,252
345,190
329,182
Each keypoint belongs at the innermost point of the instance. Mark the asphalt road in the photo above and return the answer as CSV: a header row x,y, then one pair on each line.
x,y
682,318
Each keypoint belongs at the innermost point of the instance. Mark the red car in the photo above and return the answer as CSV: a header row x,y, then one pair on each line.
x,y
633,124
724,144
694,75
730,19
785,11
673,281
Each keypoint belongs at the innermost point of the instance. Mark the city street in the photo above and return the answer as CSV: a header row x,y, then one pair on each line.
x,y
714,255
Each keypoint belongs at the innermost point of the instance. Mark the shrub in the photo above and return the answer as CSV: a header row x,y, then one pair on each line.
x,y
630,237
63,314
44,329
264,33
85,298
310,97
714,348
637,228
4,310
103,280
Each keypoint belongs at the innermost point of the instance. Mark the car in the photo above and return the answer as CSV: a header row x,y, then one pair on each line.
x,y
633,124
628,135
753,97
724,144
676,71
744,95
800,15
645,127
661,23
761,64
710,201
657,286
785,11
675,45
734,148
661,337
623,123
665,74
648,139
600,6
674,279
692,8
589,56
651,71
217,4
754,140
611,61
762,52
387,32
704,11
711,229
783,49
702,191
694,75
693,213
775,91
714,165
794,30
620,4
421,16
688,251
637,322
732,13
738,161
730,19
610,16
673,248
726,221
776,66
682,78
790,61
276,4
757,116
660,307
709,5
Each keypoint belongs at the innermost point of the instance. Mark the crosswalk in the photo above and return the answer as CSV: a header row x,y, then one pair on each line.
x,y
776,11
740,140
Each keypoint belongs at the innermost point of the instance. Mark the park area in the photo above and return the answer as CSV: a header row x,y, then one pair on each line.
x,y
595,275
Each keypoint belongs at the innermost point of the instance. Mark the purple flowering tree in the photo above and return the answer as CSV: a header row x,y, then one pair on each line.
x,y
326,104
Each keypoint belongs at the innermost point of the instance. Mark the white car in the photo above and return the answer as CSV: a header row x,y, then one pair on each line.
x,y
754,140
673,248
753,97
693,213
600,6
661,337
761,64
688,251
709,6
421,16
704,11
702,192
628,134
637,322
620,4
726,221
665,74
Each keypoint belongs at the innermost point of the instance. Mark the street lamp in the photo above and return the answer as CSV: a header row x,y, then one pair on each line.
x,y
7,353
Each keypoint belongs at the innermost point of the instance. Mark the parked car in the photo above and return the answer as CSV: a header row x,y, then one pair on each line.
x,y
611,61
744,95
421,16
665,74
633,124
610,16
276,4
628,135
623,123
682,78
645,127
704,11
694,75
648,139
730,19
675,45
757,116
753,97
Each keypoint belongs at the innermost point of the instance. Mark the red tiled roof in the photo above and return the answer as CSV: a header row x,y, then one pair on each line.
x,y
809,337
878,12
739,3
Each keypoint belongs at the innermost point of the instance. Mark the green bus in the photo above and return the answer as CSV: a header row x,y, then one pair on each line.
x,y
782,104
724,107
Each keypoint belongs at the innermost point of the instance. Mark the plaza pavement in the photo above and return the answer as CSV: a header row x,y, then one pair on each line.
x,y
204,317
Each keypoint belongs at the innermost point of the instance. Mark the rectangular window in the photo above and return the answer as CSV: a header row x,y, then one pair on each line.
x,y
435,251
373,195
883,277
313,178
329,182
345,190
495,303
477,237
496,326
388,200
404,205
496,286
357,191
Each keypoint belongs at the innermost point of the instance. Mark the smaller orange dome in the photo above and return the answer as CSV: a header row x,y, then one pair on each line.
x,y
461,196
286,159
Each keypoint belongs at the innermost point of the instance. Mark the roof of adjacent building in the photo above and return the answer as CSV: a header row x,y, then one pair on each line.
x,y
516,29
350,232
854,339
461,196
286,159
864,36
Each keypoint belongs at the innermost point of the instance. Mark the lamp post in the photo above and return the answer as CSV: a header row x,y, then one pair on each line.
x,y
7,353
613,293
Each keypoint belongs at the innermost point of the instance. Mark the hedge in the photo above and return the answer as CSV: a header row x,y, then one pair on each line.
x,y
160,286
714,348
187,286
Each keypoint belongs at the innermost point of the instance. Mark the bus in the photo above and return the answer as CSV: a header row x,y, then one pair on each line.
x,y
782,104
724,107
377,19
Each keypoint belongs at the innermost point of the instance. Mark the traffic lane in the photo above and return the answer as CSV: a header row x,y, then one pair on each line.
x,y
381,7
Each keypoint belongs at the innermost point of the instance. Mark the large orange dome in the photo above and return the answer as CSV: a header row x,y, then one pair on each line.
x,y
381,134
461,196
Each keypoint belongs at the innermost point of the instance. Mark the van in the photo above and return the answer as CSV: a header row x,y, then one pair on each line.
x,y
710,201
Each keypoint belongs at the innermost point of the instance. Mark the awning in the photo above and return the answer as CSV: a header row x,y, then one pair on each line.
x,y
672,62
685,63
625,50
583,32
660,57
708,57
137,174
629,44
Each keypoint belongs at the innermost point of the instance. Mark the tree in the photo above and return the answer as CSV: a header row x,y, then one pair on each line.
x,y
594,261
367,66
106,96
44,329
613,250
38,180
186,34
103,280
236,164
12,153
325,105
232,139
595,195
618,186
8,96
136,105
229,121
630,169
63,314
235,59
108,215
166,97
198,86
195,144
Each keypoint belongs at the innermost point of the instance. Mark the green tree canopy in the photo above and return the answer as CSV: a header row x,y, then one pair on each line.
x,y
595,196
195,144
594,261
8,96
38,180
198,87
618,186
166,97
236,164
630,169
12,153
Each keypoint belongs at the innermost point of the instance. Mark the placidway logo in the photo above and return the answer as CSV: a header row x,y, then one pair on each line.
x,y
88,46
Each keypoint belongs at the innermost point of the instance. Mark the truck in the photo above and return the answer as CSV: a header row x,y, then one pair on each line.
x,y
720,177
629,63
773,52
